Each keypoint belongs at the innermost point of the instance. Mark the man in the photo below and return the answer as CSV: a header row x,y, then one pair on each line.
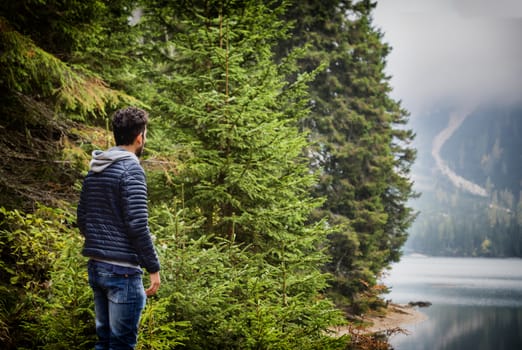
x,y
113,218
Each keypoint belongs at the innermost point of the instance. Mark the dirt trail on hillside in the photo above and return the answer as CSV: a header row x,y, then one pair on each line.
x,y
455,120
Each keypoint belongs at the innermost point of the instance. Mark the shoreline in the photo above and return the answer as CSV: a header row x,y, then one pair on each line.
x,y
394,318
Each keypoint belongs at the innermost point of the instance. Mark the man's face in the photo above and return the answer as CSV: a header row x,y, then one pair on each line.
x,y
139,150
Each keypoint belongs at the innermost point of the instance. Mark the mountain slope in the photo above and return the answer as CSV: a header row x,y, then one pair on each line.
x,y
473,206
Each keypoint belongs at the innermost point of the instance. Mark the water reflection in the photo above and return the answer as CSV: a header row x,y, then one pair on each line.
x,y
477,303
464,327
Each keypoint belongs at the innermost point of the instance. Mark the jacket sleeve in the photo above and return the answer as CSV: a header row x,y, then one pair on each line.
x,y
135,214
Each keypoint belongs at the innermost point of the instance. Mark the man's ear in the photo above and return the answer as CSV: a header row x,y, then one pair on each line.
x,y
139,139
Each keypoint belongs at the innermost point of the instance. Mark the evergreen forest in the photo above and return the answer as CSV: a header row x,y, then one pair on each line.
x,y
485,150
277,166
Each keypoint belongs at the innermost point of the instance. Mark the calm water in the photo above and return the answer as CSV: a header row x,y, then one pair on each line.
x,y
477,303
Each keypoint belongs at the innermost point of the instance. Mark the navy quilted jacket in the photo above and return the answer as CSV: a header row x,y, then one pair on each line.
x,y
112,212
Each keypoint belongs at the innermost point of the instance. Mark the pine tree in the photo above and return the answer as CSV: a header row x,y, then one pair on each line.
x,y
362,148
228,106
44,90
47,92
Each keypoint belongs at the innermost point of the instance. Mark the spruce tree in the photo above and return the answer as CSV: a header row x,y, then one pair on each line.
x,y
227,109
46,86
50,95
362,146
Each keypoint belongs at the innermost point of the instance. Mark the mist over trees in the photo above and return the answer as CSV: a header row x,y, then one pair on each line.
x,y
485,149
277,164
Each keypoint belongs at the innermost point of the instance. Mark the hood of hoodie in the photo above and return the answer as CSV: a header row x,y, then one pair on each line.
x,y
103,159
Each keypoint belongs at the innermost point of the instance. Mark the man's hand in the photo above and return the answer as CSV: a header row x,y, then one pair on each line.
x,y
155,282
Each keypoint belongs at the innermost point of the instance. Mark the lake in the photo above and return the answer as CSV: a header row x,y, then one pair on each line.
x,y
476,302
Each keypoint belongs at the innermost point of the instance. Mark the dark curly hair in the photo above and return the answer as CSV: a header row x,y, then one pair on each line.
x,y
127,124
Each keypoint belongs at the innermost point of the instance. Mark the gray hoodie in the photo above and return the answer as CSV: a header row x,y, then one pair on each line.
x,y
103,159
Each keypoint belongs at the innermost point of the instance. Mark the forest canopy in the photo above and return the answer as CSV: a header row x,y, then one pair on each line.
x,y
277,166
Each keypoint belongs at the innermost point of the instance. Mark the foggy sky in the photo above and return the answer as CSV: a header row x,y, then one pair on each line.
x,y
461,49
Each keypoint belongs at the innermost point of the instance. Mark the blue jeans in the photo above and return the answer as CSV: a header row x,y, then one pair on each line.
x,y
118,302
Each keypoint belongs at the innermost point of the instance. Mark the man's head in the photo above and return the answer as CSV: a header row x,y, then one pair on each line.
x,y
129,126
